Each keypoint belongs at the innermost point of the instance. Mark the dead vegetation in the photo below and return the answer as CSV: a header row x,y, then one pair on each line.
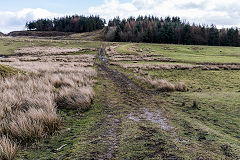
x,y
75,99
28,102
147,56
163,85
28,110
8,149
154,66
43,51
83,60
115,57
175,66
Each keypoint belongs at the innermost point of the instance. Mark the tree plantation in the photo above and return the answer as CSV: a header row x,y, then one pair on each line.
x,y
169,30
68,24
143,29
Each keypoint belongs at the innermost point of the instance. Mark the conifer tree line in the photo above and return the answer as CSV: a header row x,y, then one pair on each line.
x,y
169,30
74,23
143,29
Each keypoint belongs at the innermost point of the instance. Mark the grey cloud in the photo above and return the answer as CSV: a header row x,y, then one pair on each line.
x,y
222,21
230,8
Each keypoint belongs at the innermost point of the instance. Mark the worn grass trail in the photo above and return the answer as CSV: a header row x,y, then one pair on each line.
x,y
125,122
128,122
135,127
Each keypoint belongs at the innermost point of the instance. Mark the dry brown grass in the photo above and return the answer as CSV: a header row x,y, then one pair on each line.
x,y
27,108
45,51
8,149
28,102
49,51
55,67
155,66
8,60
163,85
115,57
176,66
74,98
83,58
180,86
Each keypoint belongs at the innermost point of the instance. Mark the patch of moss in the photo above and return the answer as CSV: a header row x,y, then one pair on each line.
x,y
6,70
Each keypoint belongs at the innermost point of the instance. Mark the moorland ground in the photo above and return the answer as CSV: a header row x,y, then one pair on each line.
x,y
150,101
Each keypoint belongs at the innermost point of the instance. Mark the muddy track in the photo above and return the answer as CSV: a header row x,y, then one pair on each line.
x,y
117,77
137,101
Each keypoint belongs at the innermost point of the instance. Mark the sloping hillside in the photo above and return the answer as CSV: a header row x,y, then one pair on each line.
x,y
38,34
89,36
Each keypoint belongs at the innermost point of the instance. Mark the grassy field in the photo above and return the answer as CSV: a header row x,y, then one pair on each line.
x,y
9,45
216,94
99,115
189,53
208,113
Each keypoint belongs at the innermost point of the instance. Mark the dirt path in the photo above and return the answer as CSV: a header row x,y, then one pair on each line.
x,y
129,105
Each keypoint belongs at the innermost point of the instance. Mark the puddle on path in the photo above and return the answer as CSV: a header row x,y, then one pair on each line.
x,y
155,117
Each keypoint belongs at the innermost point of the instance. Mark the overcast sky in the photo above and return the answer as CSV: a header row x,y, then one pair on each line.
x,y
223,13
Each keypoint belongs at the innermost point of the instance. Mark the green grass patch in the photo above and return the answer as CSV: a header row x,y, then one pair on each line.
x,y
189,53
207,116
124,49
216,95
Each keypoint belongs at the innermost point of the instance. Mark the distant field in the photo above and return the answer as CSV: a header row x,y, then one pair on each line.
x,y
9,45
189,53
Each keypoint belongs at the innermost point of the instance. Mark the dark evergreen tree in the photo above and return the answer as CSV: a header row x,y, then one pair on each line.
x,y
31,26
117,36
232,37
186,34
68,24
169,30
213,38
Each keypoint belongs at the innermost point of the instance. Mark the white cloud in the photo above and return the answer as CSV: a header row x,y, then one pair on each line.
x,y
113,8
221,13
12,21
